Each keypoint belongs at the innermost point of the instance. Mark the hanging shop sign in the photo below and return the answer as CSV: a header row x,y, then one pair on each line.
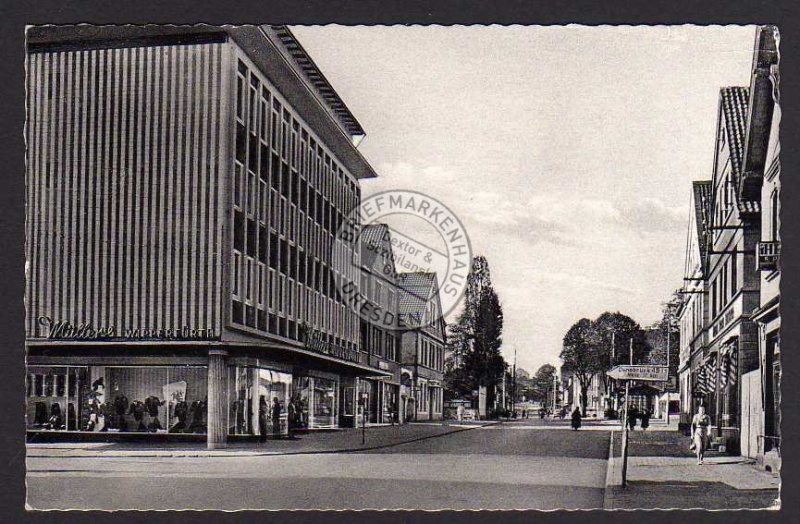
x,y
66,330
651,373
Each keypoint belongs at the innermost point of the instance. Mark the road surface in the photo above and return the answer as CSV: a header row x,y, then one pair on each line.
x,y
521,465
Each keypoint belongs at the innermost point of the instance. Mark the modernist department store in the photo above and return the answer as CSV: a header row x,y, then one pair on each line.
x,y
184,188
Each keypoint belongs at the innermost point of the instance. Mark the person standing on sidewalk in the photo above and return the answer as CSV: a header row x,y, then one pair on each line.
x,y
700,424
645,418
262,418
276,417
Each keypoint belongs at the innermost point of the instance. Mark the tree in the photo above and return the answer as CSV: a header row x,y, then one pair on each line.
x,y
579,355
666,329
593,347
616,331
542,383
476,338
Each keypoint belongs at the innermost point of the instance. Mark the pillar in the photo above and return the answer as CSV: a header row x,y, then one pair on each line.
x,y
217,389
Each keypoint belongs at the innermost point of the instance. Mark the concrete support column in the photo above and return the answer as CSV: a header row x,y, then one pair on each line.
x,y
217,387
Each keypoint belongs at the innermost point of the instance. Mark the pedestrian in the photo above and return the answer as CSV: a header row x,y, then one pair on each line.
x,y
524,413
700,423
632,412
276,416
646,419
576,418
262,418
460,412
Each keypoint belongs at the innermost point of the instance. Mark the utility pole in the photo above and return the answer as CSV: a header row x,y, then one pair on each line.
x,y
514,384
555,393
669,328
625,425
611,388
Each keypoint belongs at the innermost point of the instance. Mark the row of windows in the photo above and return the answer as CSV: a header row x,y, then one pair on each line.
x,y
431,355
724,286
289,197
260,287
430,398
379,342
273,143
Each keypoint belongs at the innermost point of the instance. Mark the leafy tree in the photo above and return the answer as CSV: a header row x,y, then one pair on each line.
x,y
476,338
580,355
666,329
542,383
616,331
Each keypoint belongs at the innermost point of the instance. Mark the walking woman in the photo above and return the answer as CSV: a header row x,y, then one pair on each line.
x,y
576,418
700,424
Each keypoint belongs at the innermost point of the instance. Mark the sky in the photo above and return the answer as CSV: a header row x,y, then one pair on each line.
x,y
566,151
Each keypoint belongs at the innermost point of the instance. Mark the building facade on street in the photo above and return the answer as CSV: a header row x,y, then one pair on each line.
x,y
730,376
422,345
767,316
380,337
184,187
693,311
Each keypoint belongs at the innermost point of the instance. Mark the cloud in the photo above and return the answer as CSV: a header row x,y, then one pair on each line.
x,y
652,215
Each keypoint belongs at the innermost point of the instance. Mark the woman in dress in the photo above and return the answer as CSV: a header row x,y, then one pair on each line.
x,y
700,423
576,418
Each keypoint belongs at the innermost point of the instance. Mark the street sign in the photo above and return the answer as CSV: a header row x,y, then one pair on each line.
x,y
652,373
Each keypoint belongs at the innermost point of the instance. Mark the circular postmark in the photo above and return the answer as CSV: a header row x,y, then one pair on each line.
x,y
401,260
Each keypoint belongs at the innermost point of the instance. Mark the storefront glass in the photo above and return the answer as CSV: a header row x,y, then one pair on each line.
x,y
148,399
315,402
260,401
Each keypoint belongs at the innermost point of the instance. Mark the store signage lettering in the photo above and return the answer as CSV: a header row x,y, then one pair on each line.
x,y
316,343
65,330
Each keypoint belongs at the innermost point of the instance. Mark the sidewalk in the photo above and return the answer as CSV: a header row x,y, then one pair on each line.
x,y
663,474
339,441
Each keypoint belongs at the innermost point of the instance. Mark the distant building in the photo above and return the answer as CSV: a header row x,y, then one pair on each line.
x,y
693,311
423,342
380,337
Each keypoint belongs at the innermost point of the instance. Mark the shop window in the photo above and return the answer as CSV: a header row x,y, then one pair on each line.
x,y
119,399
316,401
260,401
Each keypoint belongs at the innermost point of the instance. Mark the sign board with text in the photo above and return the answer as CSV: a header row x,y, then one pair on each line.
x,y
651,373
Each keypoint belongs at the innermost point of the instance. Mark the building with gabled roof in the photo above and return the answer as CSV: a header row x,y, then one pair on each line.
x,y
693,312
380,336
732,367
423,344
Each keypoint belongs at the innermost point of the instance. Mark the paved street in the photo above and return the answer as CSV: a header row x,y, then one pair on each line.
x,y
494,467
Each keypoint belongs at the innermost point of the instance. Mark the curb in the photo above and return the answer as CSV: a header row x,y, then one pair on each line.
x,y
611,475
245,453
